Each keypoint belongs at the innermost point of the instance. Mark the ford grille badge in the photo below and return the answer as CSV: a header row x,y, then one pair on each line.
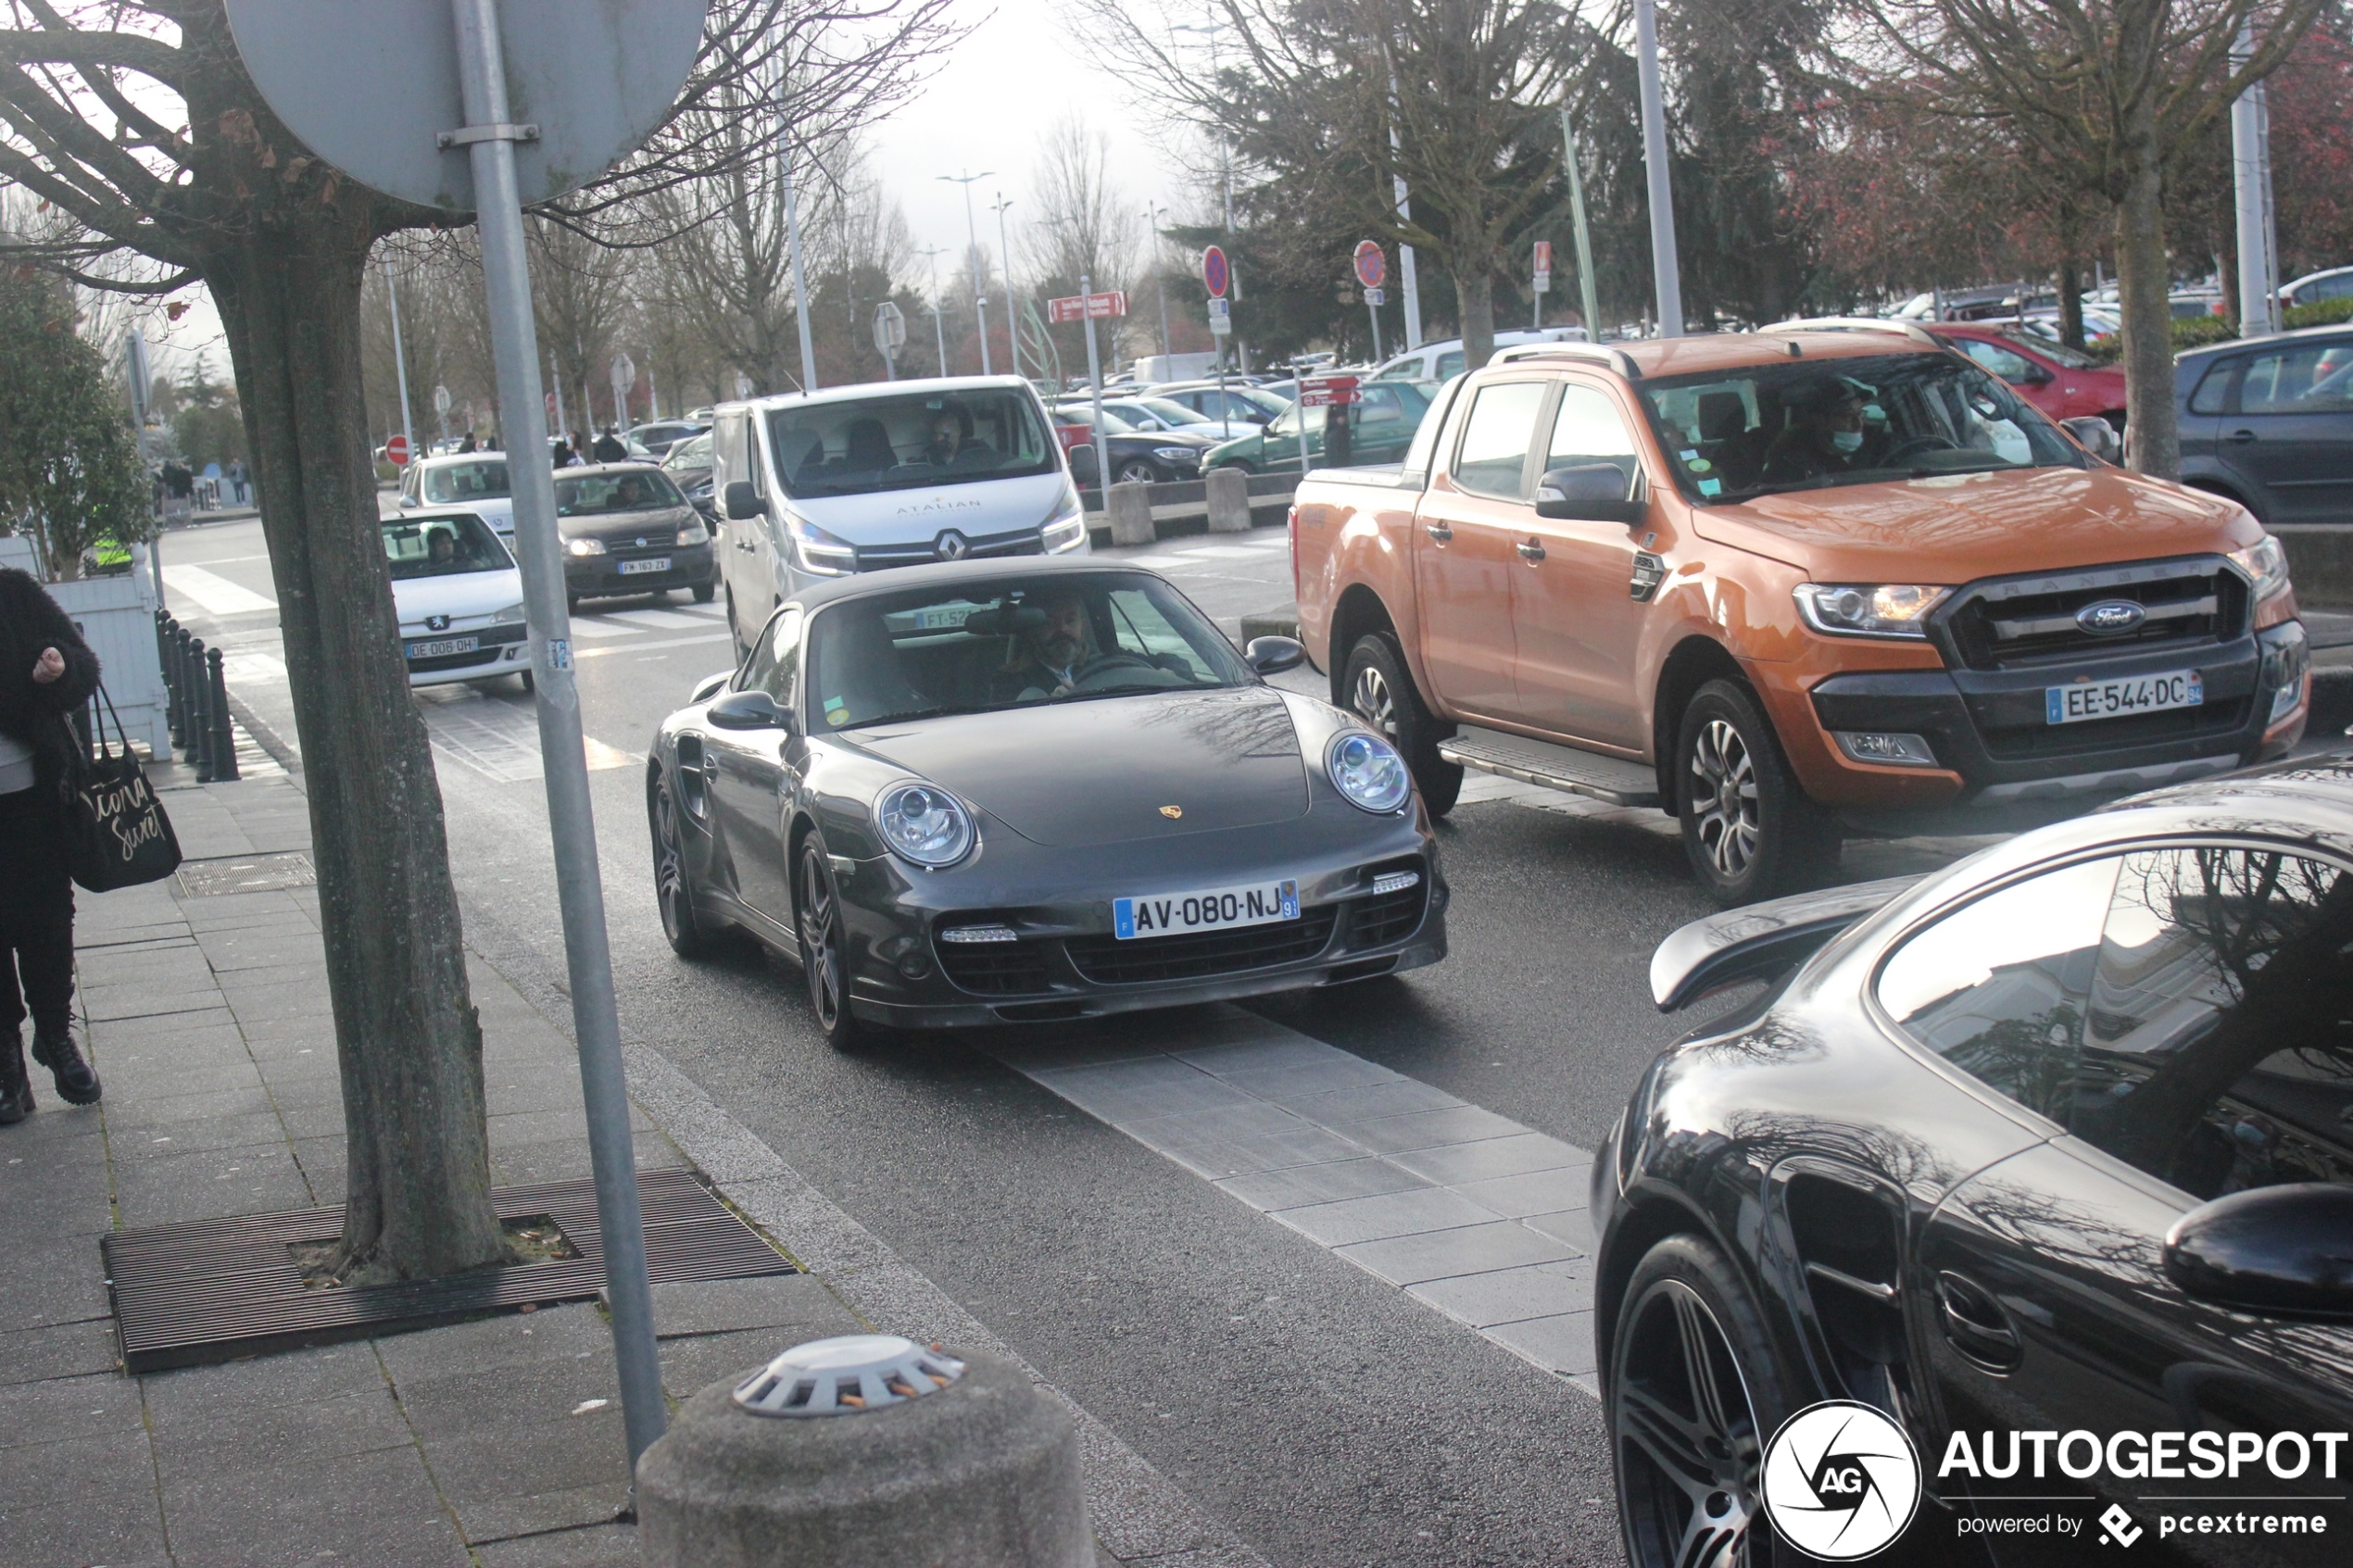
x,y
951,546
2110,618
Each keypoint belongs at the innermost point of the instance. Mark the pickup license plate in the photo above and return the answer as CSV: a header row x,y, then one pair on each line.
x,y
447,644
1224,909
2114,699
631,568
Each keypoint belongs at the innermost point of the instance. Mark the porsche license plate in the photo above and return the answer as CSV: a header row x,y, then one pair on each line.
x,y
446,645
2114,699
1223,909
631,568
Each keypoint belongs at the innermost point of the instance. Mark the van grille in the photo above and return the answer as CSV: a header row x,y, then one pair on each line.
x,y
2010,624
881,558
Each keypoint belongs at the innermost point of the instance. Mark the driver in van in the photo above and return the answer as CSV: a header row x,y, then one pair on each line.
x,y
1046,659
952,445
1826,433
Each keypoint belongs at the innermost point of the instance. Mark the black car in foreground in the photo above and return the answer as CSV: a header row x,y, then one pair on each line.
x,y
2013,1223
985,793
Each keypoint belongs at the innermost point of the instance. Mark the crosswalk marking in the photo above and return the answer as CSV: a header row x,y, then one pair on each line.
x,y
664,618
214,594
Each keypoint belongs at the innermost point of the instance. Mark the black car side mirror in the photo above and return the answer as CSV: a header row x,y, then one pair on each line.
x,y
742,500
1272,656
2096,436
1590,493
754,710
2036,376
2284,1250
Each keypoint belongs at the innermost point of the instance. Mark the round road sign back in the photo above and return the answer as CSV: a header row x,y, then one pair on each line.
x,y
1372,267
368,84
1213,271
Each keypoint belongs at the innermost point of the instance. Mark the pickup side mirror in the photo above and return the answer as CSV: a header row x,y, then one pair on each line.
x,y
754,710
1590,493
2096,436
1272,656
743,501
2285,1249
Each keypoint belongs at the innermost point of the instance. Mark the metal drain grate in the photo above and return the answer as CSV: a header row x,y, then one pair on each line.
x,y
218,1289
246,874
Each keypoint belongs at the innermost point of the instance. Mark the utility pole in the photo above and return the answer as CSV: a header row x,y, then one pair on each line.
x,y
1667,279
1407,277
971,235
2258,254
1226,191
1586,293
1013,295
399,362
1154,212
800,281
938,332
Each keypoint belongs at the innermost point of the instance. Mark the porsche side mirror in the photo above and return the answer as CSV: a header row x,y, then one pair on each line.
x,y
2096,436
742,500
1760,941
754,710
2285,1251
1590,493
1272,656
711,687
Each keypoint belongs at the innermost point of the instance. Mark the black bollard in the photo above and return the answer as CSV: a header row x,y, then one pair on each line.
x,y
224,739
175,707
199,711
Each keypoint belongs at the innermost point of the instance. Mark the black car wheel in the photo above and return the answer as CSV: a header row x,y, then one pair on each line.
x,y
1749,829
1135,470
824,957
673,888
1382,694
1693,1395
530,681
706,592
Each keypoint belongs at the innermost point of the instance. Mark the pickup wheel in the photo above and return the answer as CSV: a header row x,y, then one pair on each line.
x,y
1382,694
1749,828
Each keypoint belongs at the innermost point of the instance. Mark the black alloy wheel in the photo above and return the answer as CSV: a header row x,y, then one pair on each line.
x,y
1750,830
1691,1400
1381,693
674,886
823,955
1135,470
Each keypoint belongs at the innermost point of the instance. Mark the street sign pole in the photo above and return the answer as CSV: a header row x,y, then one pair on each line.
x,y
1095,384
1543,283
800,281
1586,290
1665,274
441,409
580,892
625,376
1213,275
399,360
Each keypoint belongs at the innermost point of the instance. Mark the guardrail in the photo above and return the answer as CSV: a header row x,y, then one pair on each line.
x,y
197,704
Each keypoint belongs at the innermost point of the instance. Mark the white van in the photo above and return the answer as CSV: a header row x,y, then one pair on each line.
x,y
863,478
1442,360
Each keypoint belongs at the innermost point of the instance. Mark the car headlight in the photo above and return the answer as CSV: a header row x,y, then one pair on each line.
x,y
820,553
1848,609
924,823
512,612
2266,563
1177,454
583,546
1066,530
694,534
1367,769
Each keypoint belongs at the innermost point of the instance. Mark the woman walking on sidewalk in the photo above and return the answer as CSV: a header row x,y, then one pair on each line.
x,y
46,672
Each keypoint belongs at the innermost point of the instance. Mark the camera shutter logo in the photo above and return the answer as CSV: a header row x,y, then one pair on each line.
x,y
1841,1481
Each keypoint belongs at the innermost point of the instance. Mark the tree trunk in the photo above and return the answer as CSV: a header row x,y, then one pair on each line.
x,y
2071,303
408,1040
2144,279
1475,303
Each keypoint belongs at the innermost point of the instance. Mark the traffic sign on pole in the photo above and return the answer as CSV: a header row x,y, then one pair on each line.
x,y
625,376
1543,265
1221,316
1088,307
1214,273
1372,267
890,336
440,399
397,450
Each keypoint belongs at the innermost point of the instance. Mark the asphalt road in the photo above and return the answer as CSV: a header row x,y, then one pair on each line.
x,y
1330,1417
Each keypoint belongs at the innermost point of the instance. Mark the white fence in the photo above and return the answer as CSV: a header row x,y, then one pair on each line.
x,y
116,617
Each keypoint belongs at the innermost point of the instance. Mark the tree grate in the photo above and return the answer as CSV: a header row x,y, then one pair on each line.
x,y
246,874
218,1290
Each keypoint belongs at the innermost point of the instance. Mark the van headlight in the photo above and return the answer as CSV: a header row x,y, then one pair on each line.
x,y
2265,562
1852,609
1066,530
820,554
1368,771
924,823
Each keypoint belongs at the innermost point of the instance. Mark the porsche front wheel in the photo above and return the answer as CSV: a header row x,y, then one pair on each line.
x,y
824,947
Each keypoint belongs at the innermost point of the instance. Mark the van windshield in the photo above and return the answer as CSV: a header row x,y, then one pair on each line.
x,y
860,445
1822,423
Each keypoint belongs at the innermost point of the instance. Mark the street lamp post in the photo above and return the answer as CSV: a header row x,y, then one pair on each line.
x,y
799,280
1013,295
1226,189
1666,278
938,332
972,236
1154,212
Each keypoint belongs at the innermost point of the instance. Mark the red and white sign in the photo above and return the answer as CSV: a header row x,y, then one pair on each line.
x,y
1325,392
1372,267
396,451
1079,306
1215,274
1543,265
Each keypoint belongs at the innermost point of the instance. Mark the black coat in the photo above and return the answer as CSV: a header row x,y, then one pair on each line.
x,y
30,713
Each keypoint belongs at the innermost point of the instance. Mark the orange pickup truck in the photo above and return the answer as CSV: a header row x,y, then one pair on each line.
x,y
1788,585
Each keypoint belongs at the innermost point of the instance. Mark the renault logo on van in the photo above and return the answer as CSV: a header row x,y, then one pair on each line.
x,y
2110,617
950,545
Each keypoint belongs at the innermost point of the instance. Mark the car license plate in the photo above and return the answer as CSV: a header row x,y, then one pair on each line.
x,y
447,644
631,568
1224,909
2114,699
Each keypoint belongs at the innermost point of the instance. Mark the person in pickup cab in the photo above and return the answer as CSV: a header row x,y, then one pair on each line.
x,y
1826,433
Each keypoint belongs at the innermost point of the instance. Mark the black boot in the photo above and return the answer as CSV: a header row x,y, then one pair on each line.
x,y
16,1090
76,1083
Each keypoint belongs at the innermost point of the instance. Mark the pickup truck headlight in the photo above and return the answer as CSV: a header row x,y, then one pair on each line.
x,y
583,546
821,554
1066,530
1367,770
1852,609
2266,563
924,823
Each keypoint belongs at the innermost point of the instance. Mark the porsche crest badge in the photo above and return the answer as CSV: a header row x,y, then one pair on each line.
x,y
1172,812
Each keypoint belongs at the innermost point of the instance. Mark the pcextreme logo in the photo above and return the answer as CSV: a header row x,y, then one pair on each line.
x,y
1841,1481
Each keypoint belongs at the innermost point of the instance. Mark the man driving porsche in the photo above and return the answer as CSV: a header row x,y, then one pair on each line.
x,y
1046,658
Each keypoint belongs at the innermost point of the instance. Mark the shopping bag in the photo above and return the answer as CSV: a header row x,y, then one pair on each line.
x,y
116,834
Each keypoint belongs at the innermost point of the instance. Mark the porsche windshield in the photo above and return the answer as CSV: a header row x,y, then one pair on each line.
x,y
859,445
1811,424
1010,643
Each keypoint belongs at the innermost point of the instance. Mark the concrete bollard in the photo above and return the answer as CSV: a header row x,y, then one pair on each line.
x,y
867,1452
1131,514
1228,500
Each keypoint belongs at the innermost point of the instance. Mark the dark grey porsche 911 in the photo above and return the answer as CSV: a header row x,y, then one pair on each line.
x,y
978,793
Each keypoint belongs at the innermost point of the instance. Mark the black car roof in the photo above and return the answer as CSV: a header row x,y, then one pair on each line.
x,y
948,573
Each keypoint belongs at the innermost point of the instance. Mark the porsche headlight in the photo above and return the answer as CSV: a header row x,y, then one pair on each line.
x,y
2266,563
924,823
1367,769
1849,610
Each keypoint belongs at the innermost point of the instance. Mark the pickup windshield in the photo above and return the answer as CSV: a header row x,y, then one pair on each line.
x,y
1821,423
861,445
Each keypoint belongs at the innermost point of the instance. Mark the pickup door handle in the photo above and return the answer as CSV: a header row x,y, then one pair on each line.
x,y
1439,532
2241,437
1530,551
1975,1323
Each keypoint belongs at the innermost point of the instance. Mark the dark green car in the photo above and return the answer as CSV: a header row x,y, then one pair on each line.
x,y
1379,429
